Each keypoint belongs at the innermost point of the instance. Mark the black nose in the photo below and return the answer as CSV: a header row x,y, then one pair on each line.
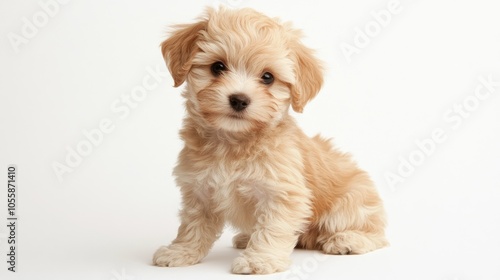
x,y
239,102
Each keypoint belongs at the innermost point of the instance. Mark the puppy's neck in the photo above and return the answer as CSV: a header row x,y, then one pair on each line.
x,y
200,137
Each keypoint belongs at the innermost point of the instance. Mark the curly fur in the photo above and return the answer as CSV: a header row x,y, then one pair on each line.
x,y
256,169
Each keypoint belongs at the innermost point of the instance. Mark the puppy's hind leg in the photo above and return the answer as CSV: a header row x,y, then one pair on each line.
x,y
356,223
240,240
353,242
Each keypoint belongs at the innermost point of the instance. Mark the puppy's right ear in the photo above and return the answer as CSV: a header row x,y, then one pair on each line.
x,y
179,49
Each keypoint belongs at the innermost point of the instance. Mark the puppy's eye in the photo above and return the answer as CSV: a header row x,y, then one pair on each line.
x,y
267,78
217,68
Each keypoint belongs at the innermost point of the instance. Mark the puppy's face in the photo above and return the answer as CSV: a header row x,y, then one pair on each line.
x,y
243,69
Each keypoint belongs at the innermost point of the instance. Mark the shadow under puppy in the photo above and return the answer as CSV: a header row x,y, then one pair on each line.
x,y
245,160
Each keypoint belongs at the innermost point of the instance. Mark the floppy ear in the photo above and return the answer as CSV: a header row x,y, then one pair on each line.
x,y
309,76
179,49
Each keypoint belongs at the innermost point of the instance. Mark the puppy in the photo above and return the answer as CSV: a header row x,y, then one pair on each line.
x,y
246,162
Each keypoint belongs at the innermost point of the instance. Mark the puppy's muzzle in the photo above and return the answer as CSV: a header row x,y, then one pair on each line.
x,y
239,101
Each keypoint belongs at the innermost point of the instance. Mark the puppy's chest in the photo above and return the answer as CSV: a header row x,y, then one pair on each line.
x,y
219,172
229,177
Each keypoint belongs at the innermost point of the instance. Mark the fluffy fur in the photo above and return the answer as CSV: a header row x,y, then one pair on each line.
x,y
254,168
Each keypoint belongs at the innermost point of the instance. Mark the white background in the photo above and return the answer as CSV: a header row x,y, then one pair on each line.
x,y
106,218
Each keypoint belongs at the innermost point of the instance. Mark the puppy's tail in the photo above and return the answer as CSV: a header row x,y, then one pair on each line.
x,y
324,143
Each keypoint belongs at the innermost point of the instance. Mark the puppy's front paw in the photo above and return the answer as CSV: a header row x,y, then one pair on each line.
x,y
258,265
175,255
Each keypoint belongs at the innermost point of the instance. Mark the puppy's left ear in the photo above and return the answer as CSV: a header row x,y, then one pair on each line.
x,y
309,76
180,48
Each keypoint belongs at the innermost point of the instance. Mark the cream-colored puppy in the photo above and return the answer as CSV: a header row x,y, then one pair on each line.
x,y
246,162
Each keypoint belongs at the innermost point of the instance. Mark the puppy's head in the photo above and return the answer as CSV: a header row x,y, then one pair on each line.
x,y
243,69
